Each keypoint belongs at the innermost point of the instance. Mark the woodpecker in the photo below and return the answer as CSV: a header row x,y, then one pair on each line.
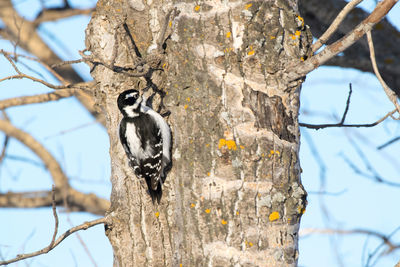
x,y
146,139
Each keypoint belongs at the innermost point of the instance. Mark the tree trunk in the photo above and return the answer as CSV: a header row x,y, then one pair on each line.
x,y
233,196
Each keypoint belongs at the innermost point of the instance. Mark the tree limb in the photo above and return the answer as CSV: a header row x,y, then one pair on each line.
x,y
302,68
320,14
334,25
53,244
389,92
47,97
23,33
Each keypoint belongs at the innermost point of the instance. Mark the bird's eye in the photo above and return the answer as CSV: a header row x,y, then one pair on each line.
x,y
134,94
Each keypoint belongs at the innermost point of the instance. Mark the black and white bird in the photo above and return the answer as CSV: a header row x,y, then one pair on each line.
x,y
146,138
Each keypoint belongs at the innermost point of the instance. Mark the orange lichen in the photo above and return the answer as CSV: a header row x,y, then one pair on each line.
x,y
297,33
274,216
223,222
301,20
197,8
157,214
272,37
272,152
248,6
230,144
207,211
241,147
301,210
228,34
185,106
251,52
192,205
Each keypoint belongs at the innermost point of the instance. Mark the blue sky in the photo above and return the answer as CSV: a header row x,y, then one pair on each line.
x,y
83,153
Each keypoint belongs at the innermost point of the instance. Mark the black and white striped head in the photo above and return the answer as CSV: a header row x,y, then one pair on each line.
x,y
129,103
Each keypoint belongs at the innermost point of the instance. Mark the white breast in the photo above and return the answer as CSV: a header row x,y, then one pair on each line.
x,y
135,144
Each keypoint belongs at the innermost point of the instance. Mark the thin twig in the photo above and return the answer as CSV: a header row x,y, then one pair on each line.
x,y
389,92
72,230
321,126
6,139
334,25
389,143
46,66
68,62
384,238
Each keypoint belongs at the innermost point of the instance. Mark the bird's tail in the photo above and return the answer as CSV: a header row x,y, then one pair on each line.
x,y
154,194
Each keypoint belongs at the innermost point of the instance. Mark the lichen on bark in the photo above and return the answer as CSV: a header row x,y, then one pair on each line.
x,y
234,194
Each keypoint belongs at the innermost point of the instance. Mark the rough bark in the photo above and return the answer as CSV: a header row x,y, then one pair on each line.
x,y
233,196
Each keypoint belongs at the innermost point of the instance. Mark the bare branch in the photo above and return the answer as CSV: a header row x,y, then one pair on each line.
x,y
389,142
23,33
59,178
341,123
47,97
302,68
389,92
335,24
56,14
84,226
77,201
386,239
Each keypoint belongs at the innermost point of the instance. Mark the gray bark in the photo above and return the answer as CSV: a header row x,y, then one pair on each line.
x,y
233,196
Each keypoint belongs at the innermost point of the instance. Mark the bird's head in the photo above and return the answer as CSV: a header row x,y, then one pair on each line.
x,y
129,103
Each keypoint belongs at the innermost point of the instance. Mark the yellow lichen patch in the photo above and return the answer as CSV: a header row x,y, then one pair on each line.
x,y
197,8
248,6
237,213
170,24
188,99
292,36
207,145
274,216
301,210
230,144
272,152
272,37
221,143
228,34
192,205
223,222
207,211
297,33
180,265
301,19
241,147
302,58
250,244
185,106
208,174
251,52
157,214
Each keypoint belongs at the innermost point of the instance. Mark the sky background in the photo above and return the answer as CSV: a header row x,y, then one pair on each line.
x,y
81,146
